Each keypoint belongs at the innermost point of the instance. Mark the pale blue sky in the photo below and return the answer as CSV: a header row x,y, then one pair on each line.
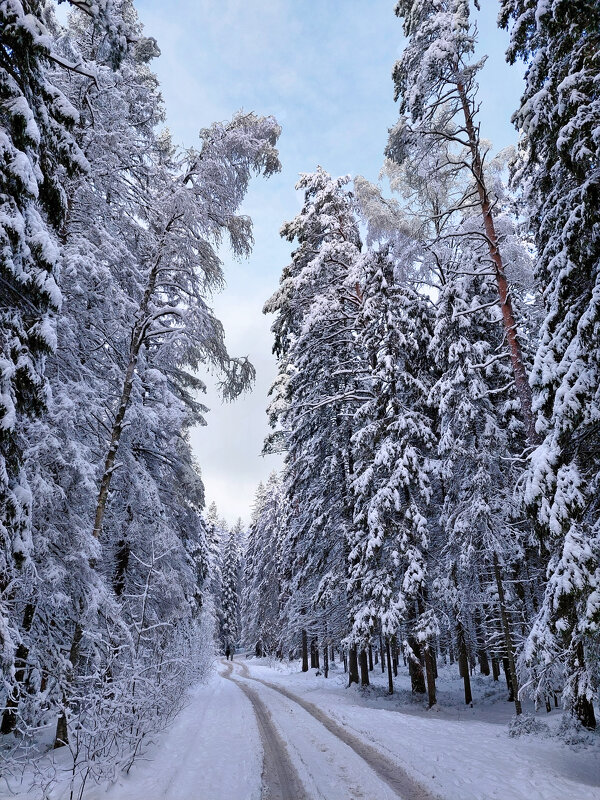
x,y
323,69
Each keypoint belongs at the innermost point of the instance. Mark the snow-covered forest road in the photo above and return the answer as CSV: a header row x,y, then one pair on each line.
x,y
258,733
332,762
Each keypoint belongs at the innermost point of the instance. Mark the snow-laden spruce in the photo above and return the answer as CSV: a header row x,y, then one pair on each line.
x,y
559,174
391,444
262,571
231,568
37,149
319,376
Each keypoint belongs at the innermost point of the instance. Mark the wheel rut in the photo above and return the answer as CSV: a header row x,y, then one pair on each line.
x,y
396,778
280,779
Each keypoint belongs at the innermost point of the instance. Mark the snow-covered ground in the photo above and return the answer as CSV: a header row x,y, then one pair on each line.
x,y
244,736
458,753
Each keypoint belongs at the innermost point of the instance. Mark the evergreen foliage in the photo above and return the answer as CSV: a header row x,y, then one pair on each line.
x,y
558,174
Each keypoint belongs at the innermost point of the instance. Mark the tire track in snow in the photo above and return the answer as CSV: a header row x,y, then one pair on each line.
x,y
396,778
280,779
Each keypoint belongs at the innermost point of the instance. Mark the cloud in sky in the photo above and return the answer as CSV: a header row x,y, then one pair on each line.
x,y
323,69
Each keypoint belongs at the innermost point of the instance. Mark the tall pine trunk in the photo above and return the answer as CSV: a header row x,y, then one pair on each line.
x,y
388,654
508,642
463,662
508,316
352,666
430,675
364,668
304,651
415,668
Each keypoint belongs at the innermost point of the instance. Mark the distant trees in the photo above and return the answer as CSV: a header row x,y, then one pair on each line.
x,y
231,566
261,586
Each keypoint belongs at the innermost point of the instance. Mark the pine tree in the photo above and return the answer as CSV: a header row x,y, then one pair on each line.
x,y
392,440
262,580
435,80
481,437
37,150
230,597
318,364
559,173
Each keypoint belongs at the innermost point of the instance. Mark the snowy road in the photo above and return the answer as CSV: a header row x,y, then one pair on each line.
x,y
260,734
332,762
280,780
243,739
211,752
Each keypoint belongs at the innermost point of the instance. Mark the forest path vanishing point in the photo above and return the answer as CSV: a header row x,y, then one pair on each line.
x,y
332,763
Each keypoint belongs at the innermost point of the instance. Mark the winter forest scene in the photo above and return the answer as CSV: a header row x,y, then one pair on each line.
x,y
300,399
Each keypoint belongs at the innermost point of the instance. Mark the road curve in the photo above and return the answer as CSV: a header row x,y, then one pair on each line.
x,y
392,774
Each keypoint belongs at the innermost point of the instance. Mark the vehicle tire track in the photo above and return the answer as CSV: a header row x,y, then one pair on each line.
x,y
396,778
280,779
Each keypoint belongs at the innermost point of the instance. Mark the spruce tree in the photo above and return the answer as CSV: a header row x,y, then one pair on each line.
x,y
37,150
230,597
559,173
392,443
318,368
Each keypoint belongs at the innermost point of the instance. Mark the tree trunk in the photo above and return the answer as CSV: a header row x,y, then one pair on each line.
x,y
325,661
352,666
508,317
583,708
507,636
509,686
417,678
364,668
61,737
9,718
482,657
389,663
370,651
430,674
387,648
314,654
463,662
495,668
304,651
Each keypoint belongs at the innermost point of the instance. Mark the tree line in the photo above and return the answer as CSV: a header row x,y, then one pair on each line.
x,y
437,396
109,255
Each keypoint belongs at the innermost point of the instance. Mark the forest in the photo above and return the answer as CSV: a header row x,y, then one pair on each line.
x,y
436,404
